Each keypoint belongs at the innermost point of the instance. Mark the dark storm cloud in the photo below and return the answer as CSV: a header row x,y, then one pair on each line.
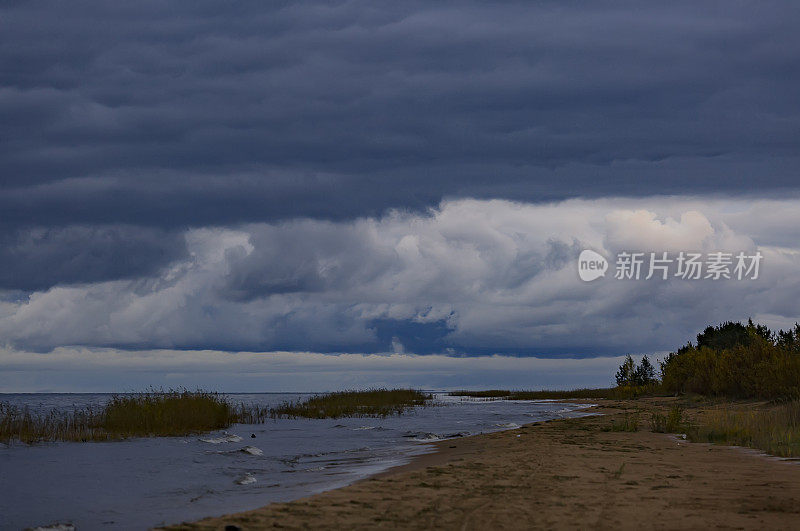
x,y
123,127
156,113
38,258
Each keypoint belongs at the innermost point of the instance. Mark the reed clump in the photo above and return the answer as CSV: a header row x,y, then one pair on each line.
x,y
172,413
369,403
149,414
176,413
20,424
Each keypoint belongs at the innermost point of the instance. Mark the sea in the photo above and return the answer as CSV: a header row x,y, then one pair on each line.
x,y
145,482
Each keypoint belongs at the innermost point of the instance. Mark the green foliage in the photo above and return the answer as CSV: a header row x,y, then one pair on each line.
x,y
727,362
626,375
776,429
630,375
370,403
789,340
645,373
725,335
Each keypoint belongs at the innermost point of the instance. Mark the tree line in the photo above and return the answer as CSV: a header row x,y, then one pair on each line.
x,y
730,359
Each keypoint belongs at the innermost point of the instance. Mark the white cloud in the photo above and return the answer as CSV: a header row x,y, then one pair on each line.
x,y
640,230
494,276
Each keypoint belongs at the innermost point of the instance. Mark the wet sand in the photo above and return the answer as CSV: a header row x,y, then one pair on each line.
x,y
562,474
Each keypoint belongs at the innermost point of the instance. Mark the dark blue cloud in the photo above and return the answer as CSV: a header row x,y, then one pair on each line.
x,y
157,114
36,259
156,117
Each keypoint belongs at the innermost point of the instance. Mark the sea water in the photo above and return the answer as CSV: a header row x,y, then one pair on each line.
x,y
141,483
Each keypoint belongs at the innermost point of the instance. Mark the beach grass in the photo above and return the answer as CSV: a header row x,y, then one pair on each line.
x,y
775,428
369,403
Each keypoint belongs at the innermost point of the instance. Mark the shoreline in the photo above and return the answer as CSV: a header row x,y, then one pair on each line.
x,y
563,473
448,449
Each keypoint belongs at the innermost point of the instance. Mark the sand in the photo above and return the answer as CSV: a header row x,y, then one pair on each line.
x,y
562,474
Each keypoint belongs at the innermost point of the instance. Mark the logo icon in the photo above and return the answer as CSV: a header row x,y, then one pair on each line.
x,y
591,265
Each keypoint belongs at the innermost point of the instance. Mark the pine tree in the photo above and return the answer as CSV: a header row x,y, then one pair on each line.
x,y
645,372
626,373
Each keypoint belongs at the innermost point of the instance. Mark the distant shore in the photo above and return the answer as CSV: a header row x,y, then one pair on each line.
x,y
571,473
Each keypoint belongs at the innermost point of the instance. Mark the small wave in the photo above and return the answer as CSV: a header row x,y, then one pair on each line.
x,y
422,436
247,479
252,450
457,434
365,428
54,527
226,438
511,425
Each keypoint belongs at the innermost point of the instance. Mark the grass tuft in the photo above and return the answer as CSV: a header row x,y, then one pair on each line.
x,y
628,423
672,422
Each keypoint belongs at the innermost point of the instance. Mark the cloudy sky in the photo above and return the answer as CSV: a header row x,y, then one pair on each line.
x,y
286,195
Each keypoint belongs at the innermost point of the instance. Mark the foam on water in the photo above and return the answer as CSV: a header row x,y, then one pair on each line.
x,y
226,438
252,450
246,479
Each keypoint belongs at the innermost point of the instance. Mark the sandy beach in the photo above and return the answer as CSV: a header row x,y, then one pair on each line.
x,y
571,473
